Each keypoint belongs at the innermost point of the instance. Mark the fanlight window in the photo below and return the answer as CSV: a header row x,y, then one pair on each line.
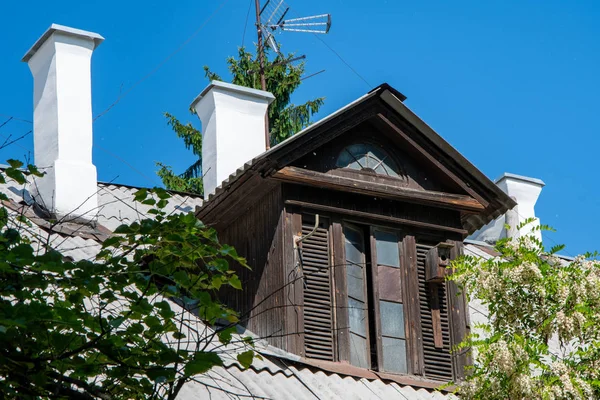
x,y
368,158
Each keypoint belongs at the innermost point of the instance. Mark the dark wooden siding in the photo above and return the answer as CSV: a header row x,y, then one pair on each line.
x,y
376,206
437,361
257,234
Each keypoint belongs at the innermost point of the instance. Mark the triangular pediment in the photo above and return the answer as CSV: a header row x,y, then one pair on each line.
x,y
373,153
429,170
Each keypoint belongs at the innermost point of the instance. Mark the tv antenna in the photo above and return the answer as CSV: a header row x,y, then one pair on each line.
x,y
271,19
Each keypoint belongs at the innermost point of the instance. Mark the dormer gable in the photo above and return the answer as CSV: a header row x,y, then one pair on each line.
x,y
348,227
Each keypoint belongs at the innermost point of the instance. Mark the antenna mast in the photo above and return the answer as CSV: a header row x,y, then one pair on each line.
x,y
261,52
261,63
270,19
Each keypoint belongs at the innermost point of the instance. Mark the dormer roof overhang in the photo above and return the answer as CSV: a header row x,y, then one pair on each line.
x,y
384,104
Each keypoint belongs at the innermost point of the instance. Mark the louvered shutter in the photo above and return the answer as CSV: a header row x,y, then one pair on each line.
x,y
437,360
459,316
318,306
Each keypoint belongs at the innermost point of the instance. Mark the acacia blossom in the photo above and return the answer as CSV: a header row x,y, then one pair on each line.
x,y
542,340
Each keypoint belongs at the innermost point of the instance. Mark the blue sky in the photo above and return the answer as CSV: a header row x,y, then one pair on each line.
x,y
513,85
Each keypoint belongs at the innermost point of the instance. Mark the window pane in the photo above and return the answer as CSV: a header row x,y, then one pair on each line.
x,y
394,355
358,351
356,288
354,245
357,317
389,282
392,319
367,156
344,159
387,248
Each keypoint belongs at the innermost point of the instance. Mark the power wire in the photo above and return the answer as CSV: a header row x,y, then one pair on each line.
x,y
160,64
153,182
6,122
338,55
15,118
246,24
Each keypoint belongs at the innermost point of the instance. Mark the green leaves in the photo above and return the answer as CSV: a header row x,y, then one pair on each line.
x,y
235,282
16,175
246,358
112,317
16,164
202,362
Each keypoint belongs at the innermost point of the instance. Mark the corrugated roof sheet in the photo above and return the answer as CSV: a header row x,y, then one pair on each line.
x,y
116,205
303,383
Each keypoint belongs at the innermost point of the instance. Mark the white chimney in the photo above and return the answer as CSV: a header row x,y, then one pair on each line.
x,y
62,121
525,191
233,129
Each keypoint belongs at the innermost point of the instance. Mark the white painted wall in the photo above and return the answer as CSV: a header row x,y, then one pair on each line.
x,y
233,129
62,121
525,191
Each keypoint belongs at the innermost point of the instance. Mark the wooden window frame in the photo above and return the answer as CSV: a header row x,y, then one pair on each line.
x,y
407,286
409,276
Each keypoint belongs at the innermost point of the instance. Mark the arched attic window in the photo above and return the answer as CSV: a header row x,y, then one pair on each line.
x,y
367,157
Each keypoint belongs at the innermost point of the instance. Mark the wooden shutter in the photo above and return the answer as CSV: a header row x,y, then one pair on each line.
x,y
318,306
459,318
437,360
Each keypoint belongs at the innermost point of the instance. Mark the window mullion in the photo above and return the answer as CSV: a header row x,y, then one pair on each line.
x,y
375,303
341,313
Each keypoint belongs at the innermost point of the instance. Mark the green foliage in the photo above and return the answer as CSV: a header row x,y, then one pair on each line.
x,y
285,118
282,79
541,338
191,179
118,326
185,182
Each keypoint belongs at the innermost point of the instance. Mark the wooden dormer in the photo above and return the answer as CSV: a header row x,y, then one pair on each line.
x,y
340,224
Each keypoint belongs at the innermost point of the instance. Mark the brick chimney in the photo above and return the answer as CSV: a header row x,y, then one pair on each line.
x,y
62,121
233,129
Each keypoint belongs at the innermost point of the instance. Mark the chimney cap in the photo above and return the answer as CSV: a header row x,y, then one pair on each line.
x,y
508,175
233,88
65,30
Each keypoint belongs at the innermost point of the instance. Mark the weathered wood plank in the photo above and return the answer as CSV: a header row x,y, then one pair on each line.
x,y
410,277
389,286
375,217
341,323
458,310
436,319
433,160
375,309
313,178
292,226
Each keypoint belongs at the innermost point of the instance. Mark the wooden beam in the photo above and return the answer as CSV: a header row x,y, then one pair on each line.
x,y
375,217
312,178
436,318
433,160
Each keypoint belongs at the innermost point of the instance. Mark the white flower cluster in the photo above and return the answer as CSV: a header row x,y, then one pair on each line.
x,y
503,357
568,385
526,242
533,296
525,273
